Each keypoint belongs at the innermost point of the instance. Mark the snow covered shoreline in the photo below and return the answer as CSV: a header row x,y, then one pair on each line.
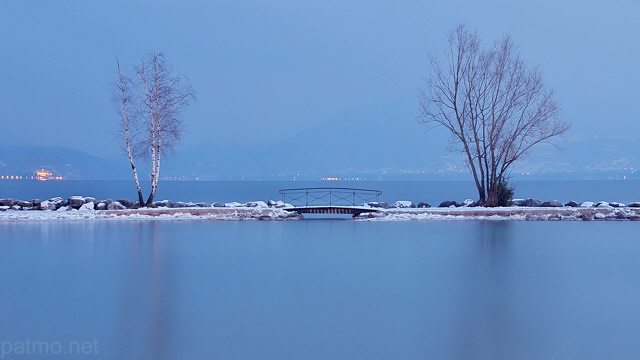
x,y
78,208
506,213
235,214
265,213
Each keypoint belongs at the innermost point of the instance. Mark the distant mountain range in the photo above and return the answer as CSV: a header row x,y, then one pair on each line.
x,y
385,142
382,142
70,164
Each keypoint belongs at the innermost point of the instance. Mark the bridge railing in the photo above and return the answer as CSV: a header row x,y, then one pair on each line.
x,y
329,196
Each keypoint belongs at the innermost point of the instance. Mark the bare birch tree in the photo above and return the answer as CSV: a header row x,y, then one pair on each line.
x,y
164,97
123,98
495,107
151,108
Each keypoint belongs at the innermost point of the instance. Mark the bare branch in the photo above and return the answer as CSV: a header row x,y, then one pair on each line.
x,y
494,106
157,100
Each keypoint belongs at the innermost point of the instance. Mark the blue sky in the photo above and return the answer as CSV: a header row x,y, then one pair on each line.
x,y
265,70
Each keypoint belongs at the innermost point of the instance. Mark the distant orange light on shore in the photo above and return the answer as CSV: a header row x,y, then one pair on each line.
x,y
44,175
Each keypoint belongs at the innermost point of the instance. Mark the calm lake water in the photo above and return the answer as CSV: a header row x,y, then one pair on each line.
x,y
320,289
433,192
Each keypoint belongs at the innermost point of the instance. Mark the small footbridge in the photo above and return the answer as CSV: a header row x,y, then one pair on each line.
x,y
327,200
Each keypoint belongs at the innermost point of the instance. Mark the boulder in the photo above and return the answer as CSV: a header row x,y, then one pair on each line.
x,y
634,204
379,204
571,204
272,203
179,204
554,217
468,203
7,202
89,206
423,205
202,204
36,203
551,203
4,208
216,204
531,203
621,215
102,206
163,203
517,202
403,204
26,205
587,217
531,217
617,205
52,204
232,204
599,216
115,206
65,208
47,205
446,204
125,202
90,199
603,204
587,204
259,204
76,201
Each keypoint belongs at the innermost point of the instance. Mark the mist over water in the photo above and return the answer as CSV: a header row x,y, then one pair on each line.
x,y
324,289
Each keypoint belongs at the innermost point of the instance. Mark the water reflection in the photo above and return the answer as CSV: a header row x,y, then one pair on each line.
x,y
146,311
318,290
485,322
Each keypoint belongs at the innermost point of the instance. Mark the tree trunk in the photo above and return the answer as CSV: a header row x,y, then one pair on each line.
x,y
124,98
154,179
150,199
482,200
135,177
492,197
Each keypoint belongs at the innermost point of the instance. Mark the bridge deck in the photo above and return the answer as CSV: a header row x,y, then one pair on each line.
x,y
346,210
330,200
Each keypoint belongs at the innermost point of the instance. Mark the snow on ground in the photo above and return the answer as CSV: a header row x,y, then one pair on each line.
x,y
266,213
239,213
503,213
435,216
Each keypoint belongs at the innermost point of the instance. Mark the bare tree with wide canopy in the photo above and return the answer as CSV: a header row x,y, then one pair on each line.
x,y
495,107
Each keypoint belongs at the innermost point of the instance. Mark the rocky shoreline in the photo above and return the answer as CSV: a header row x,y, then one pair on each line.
x,y
80,207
